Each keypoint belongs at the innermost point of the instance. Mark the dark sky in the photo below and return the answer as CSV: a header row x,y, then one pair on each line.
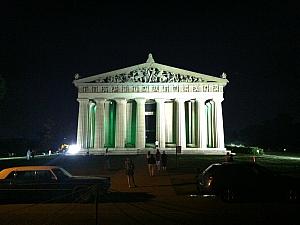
x,y
42,46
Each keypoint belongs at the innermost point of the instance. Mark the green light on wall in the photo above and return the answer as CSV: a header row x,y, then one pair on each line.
x,y
112,124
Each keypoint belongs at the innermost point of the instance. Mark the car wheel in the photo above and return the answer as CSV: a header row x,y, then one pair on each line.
x,y
292,195
84,194
228,195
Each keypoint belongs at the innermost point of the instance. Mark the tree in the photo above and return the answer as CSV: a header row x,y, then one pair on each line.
x,y
2,87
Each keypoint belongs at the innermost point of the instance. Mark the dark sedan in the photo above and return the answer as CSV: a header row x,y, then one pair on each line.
x,y
49,182
233,181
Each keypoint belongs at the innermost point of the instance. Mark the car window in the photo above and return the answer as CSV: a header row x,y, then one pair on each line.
x,y
24,176
44,175
61,173
11,175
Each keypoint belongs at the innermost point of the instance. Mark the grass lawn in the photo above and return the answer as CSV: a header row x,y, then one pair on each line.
x,y
282,162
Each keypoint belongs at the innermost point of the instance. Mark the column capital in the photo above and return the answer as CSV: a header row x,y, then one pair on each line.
x,y
140,100
180,99
218,99
83,100
99,100
160,100
201,100
120,100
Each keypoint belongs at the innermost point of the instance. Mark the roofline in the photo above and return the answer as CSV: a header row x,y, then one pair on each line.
x,y
143,65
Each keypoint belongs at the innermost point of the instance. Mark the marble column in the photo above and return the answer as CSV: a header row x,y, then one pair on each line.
x,y
160,122
209,124
120,123
99,123
82,128
181,134
219,124
201,124
140,123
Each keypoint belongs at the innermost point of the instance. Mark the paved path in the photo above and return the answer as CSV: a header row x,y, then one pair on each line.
x,y
159,185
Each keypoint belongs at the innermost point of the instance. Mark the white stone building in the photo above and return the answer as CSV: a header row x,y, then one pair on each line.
x,y
127,110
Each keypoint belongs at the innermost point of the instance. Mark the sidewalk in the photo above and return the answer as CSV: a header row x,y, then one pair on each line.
x,y
159,185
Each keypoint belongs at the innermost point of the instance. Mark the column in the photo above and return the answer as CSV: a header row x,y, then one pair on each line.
x,y
82,128
219,124
181,135
209,124
120,123
140,123
99,123
201,124
160,122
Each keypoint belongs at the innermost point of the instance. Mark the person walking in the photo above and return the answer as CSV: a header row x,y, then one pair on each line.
x,y
107,159
152,165
148,157
28,154
129,170
157,158
164,160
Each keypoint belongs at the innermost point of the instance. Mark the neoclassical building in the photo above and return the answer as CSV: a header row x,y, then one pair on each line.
x,y
127,110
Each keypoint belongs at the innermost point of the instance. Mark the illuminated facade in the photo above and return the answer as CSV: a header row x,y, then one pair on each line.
x,y
127,110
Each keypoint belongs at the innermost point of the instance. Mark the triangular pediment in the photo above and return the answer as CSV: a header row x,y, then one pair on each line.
x,y
151,72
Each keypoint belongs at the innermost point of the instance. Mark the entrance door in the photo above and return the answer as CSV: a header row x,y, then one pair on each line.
x,y
150,129
150,122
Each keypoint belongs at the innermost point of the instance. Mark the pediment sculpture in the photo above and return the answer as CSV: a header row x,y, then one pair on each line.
x,y
149,75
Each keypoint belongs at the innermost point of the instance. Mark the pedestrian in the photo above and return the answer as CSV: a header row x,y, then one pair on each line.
x,y
227,157
32,153
28,154
164,160
129,171
148,157
152,165
107,159
158,158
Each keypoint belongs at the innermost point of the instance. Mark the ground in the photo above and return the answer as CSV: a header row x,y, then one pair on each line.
x,y
167,198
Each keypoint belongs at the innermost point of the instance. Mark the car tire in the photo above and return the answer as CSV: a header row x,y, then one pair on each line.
x,y
84,194
228,195
292,195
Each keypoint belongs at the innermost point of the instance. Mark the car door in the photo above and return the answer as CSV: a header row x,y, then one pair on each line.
x,y
47,186
22,185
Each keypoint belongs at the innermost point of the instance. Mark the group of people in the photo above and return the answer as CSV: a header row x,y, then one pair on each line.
x,y
156,162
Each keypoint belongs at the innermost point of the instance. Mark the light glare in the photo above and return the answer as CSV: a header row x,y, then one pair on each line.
x,y
73,149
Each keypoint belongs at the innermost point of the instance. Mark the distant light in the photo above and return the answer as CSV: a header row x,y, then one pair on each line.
x,y
73,149
284,149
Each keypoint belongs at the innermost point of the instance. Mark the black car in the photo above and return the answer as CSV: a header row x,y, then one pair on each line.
x,y
233,181
49,182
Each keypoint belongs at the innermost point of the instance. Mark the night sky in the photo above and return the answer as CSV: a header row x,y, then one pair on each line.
x,y
43,45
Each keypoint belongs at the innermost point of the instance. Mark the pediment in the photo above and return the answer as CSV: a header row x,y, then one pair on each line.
x,y
151,72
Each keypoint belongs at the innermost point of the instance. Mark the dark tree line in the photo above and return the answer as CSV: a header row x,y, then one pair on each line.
x,y
275,134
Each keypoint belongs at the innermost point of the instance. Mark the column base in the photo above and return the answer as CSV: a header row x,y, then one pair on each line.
x,y
136,151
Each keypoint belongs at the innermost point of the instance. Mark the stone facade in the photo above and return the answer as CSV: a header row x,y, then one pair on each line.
x,y
127,110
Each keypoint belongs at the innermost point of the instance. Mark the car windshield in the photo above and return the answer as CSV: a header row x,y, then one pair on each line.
x,y
61,173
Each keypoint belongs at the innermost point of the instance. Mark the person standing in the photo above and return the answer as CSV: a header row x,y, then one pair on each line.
x,y
129,170
164,160
148,157
28,154
152,165
158,158
107,159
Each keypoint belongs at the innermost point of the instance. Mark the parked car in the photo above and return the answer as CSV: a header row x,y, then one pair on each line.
x,y
233,181
49,182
